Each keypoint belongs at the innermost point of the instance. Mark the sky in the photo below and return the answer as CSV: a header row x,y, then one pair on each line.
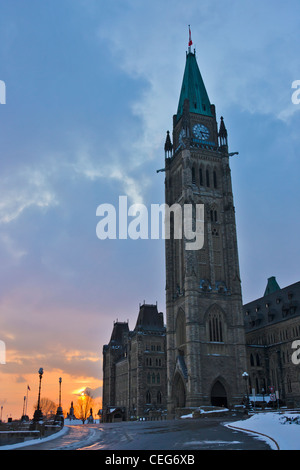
x,y
91,89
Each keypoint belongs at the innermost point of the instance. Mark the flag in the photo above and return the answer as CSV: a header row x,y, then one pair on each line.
x,y
190,37
28,388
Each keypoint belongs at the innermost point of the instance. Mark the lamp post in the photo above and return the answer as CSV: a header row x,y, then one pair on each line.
x,y
59,412
245,377
38,415
60,381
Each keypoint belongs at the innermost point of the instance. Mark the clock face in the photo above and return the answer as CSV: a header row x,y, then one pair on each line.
x,y
201,132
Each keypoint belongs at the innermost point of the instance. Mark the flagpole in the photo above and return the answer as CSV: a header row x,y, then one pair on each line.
x,y
23,414
26,400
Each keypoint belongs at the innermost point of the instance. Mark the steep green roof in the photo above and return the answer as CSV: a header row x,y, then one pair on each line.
x,y
194,89
272,286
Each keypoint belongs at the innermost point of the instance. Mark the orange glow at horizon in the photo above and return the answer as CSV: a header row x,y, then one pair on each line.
x,y
13,391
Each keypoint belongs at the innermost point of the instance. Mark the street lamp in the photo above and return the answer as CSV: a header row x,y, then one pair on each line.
x,y
38,415
245,377
60,381
59,411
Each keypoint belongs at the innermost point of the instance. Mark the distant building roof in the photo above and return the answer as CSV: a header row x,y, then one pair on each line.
x,y
272,286
149,318
118,332
275,306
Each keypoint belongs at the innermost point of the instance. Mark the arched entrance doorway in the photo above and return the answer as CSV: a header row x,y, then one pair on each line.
x,y
218,395
179,392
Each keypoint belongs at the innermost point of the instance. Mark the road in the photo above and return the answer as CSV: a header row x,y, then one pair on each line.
x,y
185,434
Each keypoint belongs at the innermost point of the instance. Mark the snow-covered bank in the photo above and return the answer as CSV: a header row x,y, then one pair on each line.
x,y
31,442
283,427
64,430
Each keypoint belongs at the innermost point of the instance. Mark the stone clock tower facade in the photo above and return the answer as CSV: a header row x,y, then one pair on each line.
x,y
206,354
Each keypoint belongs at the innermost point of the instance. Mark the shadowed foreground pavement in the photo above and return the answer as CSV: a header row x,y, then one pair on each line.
x,y
174,435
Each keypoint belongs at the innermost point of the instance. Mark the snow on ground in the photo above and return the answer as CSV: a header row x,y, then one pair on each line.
x,y
204,411
283,427
35,441
64,430
73,422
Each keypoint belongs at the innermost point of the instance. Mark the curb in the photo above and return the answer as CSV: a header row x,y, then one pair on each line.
x,y
255,432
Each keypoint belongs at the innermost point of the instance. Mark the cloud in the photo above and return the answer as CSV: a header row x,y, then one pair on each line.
x,y
93,392
114,169
289,112
24,188
20,379
74,364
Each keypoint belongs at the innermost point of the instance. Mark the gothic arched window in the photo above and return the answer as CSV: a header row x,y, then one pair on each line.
x,y
216,325
215,179
207,178
215,329
193,176
200,177
257,360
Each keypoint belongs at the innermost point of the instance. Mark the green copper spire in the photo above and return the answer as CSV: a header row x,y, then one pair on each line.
x,y
193,88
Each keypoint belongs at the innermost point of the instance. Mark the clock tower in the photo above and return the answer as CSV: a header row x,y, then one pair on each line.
x,y
206,353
